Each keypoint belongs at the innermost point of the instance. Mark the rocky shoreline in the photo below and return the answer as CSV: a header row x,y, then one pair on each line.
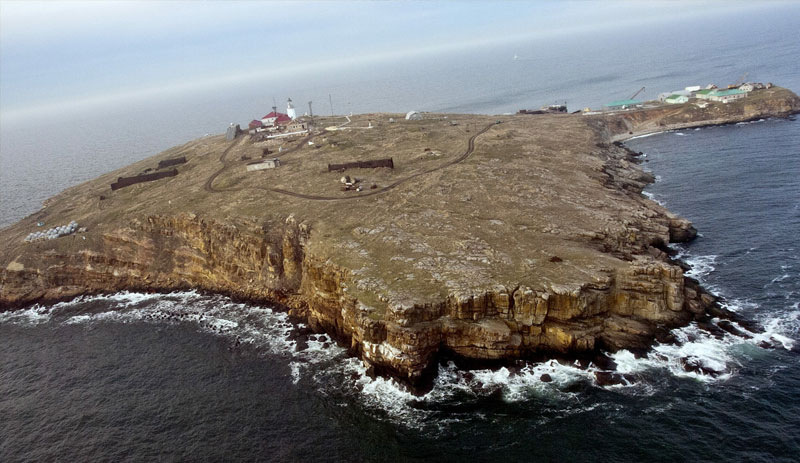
x,y
538,243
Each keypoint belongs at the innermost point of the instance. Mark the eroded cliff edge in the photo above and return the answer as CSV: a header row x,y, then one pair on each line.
x,y
538,241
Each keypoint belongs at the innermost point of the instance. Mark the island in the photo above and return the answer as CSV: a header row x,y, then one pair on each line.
x,y
483,238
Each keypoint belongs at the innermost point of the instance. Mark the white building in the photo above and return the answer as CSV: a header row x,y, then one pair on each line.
x,y
290,111
413,116
748,87
676,99
265,164
692,88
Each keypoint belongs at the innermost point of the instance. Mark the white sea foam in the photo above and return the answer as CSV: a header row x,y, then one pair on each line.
x,y
646,135
701,266
31,316
698,354
750,122
780,278
653,197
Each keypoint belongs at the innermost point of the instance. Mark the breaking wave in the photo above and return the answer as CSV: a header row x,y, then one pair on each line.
x,y
315,360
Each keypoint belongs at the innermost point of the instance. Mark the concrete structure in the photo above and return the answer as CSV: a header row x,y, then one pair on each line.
x,y
413,116
265,164
726,96
232,132
676,99
290,111
287,134
296,125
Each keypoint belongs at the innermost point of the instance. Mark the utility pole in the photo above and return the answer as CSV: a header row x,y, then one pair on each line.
x,y
330,100
311,115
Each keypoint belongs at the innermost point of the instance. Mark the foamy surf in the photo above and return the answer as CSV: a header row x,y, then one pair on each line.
x,y
316,360
646,135
455,391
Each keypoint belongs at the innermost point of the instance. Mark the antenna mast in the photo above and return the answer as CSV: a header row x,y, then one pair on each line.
x,y
330,100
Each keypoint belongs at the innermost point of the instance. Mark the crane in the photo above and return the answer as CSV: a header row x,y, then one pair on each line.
x,y
638,92
741,79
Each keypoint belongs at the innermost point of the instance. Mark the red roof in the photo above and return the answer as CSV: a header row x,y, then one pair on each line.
x,y
274,114
255,123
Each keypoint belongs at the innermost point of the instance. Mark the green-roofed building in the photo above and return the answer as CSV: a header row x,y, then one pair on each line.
x,y
703,94
676,99
726,96
623,103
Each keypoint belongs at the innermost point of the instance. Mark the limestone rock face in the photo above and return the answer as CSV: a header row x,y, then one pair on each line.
x,y
537,241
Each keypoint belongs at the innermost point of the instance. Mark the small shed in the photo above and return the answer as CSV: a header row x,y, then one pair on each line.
x,y
264,164
413,116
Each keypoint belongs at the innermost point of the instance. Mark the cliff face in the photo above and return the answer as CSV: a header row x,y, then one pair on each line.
x,y
167,253
538,241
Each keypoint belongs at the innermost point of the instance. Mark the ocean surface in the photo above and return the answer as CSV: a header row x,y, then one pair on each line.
x,y
187,376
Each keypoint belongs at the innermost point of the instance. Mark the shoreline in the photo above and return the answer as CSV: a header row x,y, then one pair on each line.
x,y
585,269
675,127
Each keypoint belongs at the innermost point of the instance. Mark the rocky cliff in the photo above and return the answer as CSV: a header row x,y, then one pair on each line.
x,y
488,240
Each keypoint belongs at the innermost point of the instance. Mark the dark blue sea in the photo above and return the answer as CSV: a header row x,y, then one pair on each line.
x,y
192,377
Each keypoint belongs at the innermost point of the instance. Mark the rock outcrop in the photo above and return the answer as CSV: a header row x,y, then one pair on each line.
x,y
537,242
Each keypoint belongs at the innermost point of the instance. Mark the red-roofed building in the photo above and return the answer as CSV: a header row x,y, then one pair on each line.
x,y
275,118
255,123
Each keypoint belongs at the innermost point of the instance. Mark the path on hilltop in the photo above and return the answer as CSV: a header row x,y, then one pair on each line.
x,y
209,185
470,148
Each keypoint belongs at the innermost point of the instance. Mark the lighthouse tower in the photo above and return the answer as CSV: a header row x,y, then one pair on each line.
x,y
290,110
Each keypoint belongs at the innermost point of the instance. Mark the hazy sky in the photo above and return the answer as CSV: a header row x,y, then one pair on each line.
x,y
89,52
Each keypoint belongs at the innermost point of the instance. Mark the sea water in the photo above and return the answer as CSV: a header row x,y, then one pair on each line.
x,y
187,376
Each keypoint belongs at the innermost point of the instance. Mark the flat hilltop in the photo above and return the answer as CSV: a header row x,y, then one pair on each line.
x,y
521,198
492,237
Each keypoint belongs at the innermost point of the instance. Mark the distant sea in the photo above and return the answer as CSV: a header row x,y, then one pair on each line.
x,y
135,376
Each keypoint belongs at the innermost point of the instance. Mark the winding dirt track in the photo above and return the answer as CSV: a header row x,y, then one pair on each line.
x,y
470,148
209,185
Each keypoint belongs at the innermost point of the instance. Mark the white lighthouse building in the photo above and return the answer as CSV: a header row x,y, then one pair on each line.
x,y
290,110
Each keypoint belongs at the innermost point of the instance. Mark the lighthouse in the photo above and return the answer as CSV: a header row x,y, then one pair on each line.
x,y
290,110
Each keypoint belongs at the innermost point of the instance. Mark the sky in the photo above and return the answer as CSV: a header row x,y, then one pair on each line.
x,y
58,53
